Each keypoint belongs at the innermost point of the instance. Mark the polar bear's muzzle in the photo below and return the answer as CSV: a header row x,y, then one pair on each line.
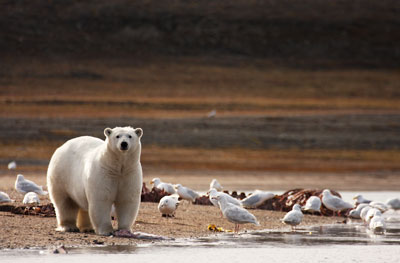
x,y
124,146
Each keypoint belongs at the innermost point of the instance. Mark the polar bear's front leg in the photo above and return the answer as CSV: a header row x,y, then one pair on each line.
x,y
126,214
99,212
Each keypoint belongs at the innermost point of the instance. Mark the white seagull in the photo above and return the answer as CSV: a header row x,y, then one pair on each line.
x,y
166,187
256,199
31,198
168,205
212,113
235,214
213,193
393,203
24,186
364,212
380,206
5,198
377,223
359,199
215,184
186,193
312,205
334,203
294,217
12,165
356,212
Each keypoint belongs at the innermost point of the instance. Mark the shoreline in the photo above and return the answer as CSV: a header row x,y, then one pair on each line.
x,y
191,221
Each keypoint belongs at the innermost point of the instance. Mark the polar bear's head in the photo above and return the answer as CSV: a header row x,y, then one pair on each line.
x,y
123,139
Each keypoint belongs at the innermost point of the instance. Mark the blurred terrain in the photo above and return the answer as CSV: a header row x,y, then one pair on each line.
x,y
298,87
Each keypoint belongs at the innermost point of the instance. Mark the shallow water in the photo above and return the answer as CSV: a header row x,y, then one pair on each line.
x,y
351,242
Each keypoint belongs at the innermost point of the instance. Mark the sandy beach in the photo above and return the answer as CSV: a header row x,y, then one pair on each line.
x,y
191,221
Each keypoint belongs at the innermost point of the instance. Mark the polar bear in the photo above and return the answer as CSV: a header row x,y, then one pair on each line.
x,y
86,175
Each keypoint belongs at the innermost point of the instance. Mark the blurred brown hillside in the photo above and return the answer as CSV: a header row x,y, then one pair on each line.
x,y
309,33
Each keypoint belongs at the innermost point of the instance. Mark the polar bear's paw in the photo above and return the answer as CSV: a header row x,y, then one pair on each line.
x,y
67,229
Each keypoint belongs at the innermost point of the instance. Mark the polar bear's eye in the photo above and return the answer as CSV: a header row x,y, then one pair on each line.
x,y
130,136
117,136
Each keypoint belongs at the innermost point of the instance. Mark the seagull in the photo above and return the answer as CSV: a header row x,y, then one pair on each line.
x,y
377,223
4,198
334,203
370,215
31,198
213,193
168,205
364,212
24,186
166,187
393,203
355,213
256,199
12,165
312,205
359,199
186,193
212,113
294,217
378,205
235,214
215,184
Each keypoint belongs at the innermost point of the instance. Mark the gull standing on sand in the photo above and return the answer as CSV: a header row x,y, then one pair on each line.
x,y
359,199
186,193
256,199
213,193
31,198
5,198
334,203
312,205
294,217
166,187
12,165
168,205
216,185
393,203
24,186
235,214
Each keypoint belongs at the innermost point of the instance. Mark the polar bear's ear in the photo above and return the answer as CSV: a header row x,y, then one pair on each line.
x,y
139,132
107,132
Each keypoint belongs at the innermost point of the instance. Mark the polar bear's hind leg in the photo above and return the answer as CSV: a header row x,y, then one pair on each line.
x,y
67,212
83,221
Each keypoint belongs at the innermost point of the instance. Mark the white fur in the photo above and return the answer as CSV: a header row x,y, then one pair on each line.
x,y
87,175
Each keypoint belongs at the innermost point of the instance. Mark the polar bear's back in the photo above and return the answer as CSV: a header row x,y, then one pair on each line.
x,y
76,150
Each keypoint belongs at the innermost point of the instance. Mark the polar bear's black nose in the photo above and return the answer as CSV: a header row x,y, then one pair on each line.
x,y
124,145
